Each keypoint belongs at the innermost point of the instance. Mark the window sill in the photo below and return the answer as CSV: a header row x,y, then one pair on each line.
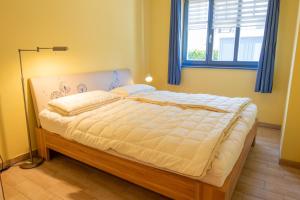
x,y
252,68
222,67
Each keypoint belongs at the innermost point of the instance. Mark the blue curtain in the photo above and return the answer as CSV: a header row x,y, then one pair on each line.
x,y
174,77
265,74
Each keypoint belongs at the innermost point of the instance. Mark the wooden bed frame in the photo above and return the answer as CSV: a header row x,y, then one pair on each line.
x,y
166,183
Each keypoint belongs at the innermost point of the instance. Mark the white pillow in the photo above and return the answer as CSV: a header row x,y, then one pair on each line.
x,y
82,102
133,89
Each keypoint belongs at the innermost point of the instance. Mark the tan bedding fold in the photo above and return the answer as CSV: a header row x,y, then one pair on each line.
x,y
193,101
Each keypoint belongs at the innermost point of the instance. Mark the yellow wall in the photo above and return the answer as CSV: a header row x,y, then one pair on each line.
x,y
101,35
224,81
104,35
290,149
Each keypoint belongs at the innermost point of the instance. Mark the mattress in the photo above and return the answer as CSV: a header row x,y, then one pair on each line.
x,y
226,156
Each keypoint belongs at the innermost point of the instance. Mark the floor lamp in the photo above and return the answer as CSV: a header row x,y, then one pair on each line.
x,y
2,196
33,161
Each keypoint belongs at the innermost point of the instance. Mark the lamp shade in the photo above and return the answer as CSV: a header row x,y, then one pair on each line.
x,y
148,78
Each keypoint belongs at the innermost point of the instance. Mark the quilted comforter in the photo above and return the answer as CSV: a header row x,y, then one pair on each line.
x,y
183,141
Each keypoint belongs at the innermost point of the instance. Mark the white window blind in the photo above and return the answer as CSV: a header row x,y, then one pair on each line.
x,y
239,13
198,14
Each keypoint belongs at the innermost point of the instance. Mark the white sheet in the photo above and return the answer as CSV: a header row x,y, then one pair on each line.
x,y
54,122
226,156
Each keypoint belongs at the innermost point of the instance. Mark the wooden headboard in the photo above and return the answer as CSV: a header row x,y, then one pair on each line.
x,y
43,89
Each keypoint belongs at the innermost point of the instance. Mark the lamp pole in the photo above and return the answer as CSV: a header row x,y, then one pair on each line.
x,y
2,195
33,161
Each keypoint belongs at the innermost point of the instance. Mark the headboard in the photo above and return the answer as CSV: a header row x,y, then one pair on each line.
x,y
43,89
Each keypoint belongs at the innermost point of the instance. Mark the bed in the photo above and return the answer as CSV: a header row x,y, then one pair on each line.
x,y
218,182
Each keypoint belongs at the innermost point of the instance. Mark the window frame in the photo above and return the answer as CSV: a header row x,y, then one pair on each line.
x,y
209,63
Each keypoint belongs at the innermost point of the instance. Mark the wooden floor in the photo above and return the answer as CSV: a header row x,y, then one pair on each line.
x,y
63,178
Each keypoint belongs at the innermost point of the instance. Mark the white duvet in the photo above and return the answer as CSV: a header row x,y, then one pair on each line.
x,y
168,137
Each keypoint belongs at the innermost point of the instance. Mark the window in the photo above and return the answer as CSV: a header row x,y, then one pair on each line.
x,y
223,33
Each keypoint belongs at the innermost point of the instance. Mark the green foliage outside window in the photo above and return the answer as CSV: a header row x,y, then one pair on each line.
x,y
197,55
201,55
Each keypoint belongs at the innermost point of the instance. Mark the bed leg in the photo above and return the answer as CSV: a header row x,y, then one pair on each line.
x,y
43,151
254,142
209,192
47,154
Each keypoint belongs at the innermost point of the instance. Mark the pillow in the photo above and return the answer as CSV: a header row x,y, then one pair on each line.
x,y
133,89
82,102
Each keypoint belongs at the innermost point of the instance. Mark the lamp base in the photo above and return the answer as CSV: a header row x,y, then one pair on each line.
x,y
32,164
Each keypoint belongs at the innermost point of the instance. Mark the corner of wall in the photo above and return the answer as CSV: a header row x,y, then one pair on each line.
x,y
296,50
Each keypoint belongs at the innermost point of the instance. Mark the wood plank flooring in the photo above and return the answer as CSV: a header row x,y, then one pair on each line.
x,y
63,178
